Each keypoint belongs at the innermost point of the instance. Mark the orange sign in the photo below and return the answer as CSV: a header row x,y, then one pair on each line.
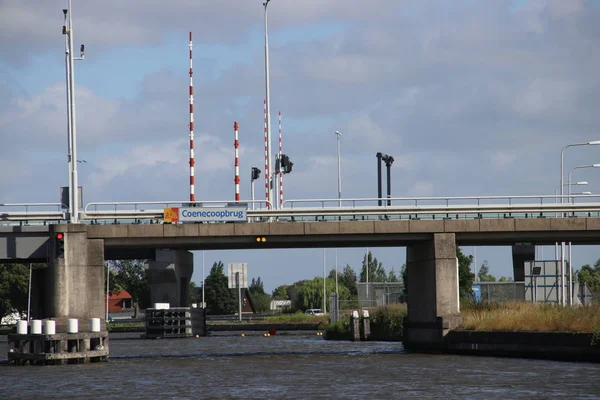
x,y
171,214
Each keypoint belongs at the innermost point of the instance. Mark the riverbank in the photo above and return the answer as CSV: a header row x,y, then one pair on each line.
x,y
507,329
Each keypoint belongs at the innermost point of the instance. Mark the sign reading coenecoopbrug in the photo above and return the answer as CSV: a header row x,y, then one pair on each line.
x,y
206,214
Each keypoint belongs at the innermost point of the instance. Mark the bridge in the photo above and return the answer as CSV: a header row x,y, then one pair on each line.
x,y
430,228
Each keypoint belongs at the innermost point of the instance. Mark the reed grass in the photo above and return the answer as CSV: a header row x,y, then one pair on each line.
x,y
530,317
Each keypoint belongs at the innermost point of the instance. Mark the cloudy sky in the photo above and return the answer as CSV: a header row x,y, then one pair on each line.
x,y
470,97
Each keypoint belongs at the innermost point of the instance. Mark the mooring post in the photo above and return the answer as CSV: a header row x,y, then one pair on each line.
x,y
355,326
365,325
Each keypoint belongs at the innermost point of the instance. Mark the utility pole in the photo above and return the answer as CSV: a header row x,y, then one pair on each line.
x,y
74,185
269,169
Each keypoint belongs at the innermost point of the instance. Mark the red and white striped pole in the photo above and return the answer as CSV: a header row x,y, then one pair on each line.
x,y
192,163
281,170
266,160
237,162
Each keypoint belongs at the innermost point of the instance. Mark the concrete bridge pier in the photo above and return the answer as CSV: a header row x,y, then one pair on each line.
x,y
73,284
433,296
521,253
169,276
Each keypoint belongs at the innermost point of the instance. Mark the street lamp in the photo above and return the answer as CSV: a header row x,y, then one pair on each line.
x,y
67,30
569,254
388,160
269,169
339,134
578,167
562,245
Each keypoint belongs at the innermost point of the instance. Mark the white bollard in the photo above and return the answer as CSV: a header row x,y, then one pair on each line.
x,y
50,327
72,325
36,326
22,327
94,324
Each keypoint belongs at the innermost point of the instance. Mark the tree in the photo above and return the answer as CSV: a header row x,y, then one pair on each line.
x,y
281,292
589,276
309,293
260,299
130,275
219,299
376,270
484,275
392,276
195,293
348,279
257,286
14,288
505,279
465,276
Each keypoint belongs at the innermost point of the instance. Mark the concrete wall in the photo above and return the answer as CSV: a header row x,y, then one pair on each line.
x,y
75,283
520,254
24,243
432,285
169,277
139,241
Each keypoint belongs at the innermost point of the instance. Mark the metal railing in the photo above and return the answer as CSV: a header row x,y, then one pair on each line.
x,y
25,212
351,209
440,201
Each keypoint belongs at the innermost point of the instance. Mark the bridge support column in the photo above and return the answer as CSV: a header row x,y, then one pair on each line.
x,y
433,299
75,281
169,277
520,254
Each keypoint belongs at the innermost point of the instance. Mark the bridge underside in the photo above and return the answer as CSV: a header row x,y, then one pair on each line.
x,y
73,285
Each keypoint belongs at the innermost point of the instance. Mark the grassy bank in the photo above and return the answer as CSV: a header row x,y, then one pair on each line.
x,y
386,322
530,317
297,318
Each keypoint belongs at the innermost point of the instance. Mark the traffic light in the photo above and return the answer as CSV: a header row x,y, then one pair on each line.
x,y
255,173
286,164
59,241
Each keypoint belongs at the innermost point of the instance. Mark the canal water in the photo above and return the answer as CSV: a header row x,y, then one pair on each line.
x,y
293,367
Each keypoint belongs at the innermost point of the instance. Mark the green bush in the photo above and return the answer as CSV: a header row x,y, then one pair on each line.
x,y
387,322
338,330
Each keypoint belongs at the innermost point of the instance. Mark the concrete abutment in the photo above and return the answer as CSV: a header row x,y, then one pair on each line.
x,y
169,276
433,293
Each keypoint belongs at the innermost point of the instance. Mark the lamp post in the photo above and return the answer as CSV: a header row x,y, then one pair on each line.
x,y
338,134
203,276
269,168
580,183
562,245
74,185
569,255
388,160
324,282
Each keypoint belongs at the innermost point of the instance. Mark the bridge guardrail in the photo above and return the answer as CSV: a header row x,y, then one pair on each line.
x,y
444,201
448,207
32,212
